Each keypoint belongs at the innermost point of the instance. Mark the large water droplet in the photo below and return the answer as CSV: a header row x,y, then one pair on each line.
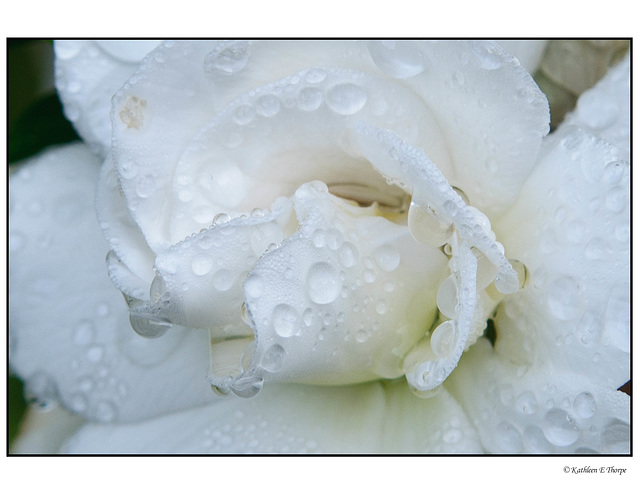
x,y
426,228
268,105
346,98
564,298
201,264
223,280
399,59
560,428
273,358
148,326
285,320
227,58
387,258
323,283
247,386
584,405
444,339
447,297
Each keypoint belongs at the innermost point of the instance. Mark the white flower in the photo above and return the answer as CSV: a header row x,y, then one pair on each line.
x,y
317,220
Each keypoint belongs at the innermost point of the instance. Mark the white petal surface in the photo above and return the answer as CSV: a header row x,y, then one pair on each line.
x,y
528,52
370,418
543,409
344,299
70,338
605,109
571,229
88,73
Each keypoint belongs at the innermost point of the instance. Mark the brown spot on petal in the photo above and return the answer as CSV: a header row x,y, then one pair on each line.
x,y
133,113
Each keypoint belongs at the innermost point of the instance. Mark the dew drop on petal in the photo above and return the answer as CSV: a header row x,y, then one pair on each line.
x,y
227,58
485,55
348,254
560,428
223,280
427,229
401,59
148,326
323,283
444,339
285,320
268,105
447,297
201,264
310,99
346,98
273,358
387,258
247,386
584,405
83,334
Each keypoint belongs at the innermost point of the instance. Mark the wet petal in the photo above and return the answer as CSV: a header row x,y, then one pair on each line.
x,y
528,52
70,339
341,301
492,114
369,418
88,73
605,109
571,229
542,409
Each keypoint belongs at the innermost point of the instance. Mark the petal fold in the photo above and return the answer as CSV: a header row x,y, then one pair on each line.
x,y
70,339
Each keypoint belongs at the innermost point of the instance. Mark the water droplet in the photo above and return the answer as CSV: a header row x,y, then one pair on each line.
x,y
201,264
381,307
247,386
310,99
447,297
83,334
584,405
315,75
323,283
285,320
268,105
148,326
526,403
318,238
426,228
273,358
244,114
146,186
348,254
560,428
387,258
613,172
346,98
486,56
444,339
94,354
401,59
227,58
157,289
223,280
564,298
253,286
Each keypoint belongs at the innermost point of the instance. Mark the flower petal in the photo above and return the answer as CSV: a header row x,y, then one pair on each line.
x,y
70,338
544,409
342,300
605,109
88,73
369,418
571,229
528,52
492,114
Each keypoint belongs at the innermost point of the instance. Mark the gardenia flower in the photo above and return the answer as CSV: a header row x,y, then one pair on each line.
x,y
320,232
